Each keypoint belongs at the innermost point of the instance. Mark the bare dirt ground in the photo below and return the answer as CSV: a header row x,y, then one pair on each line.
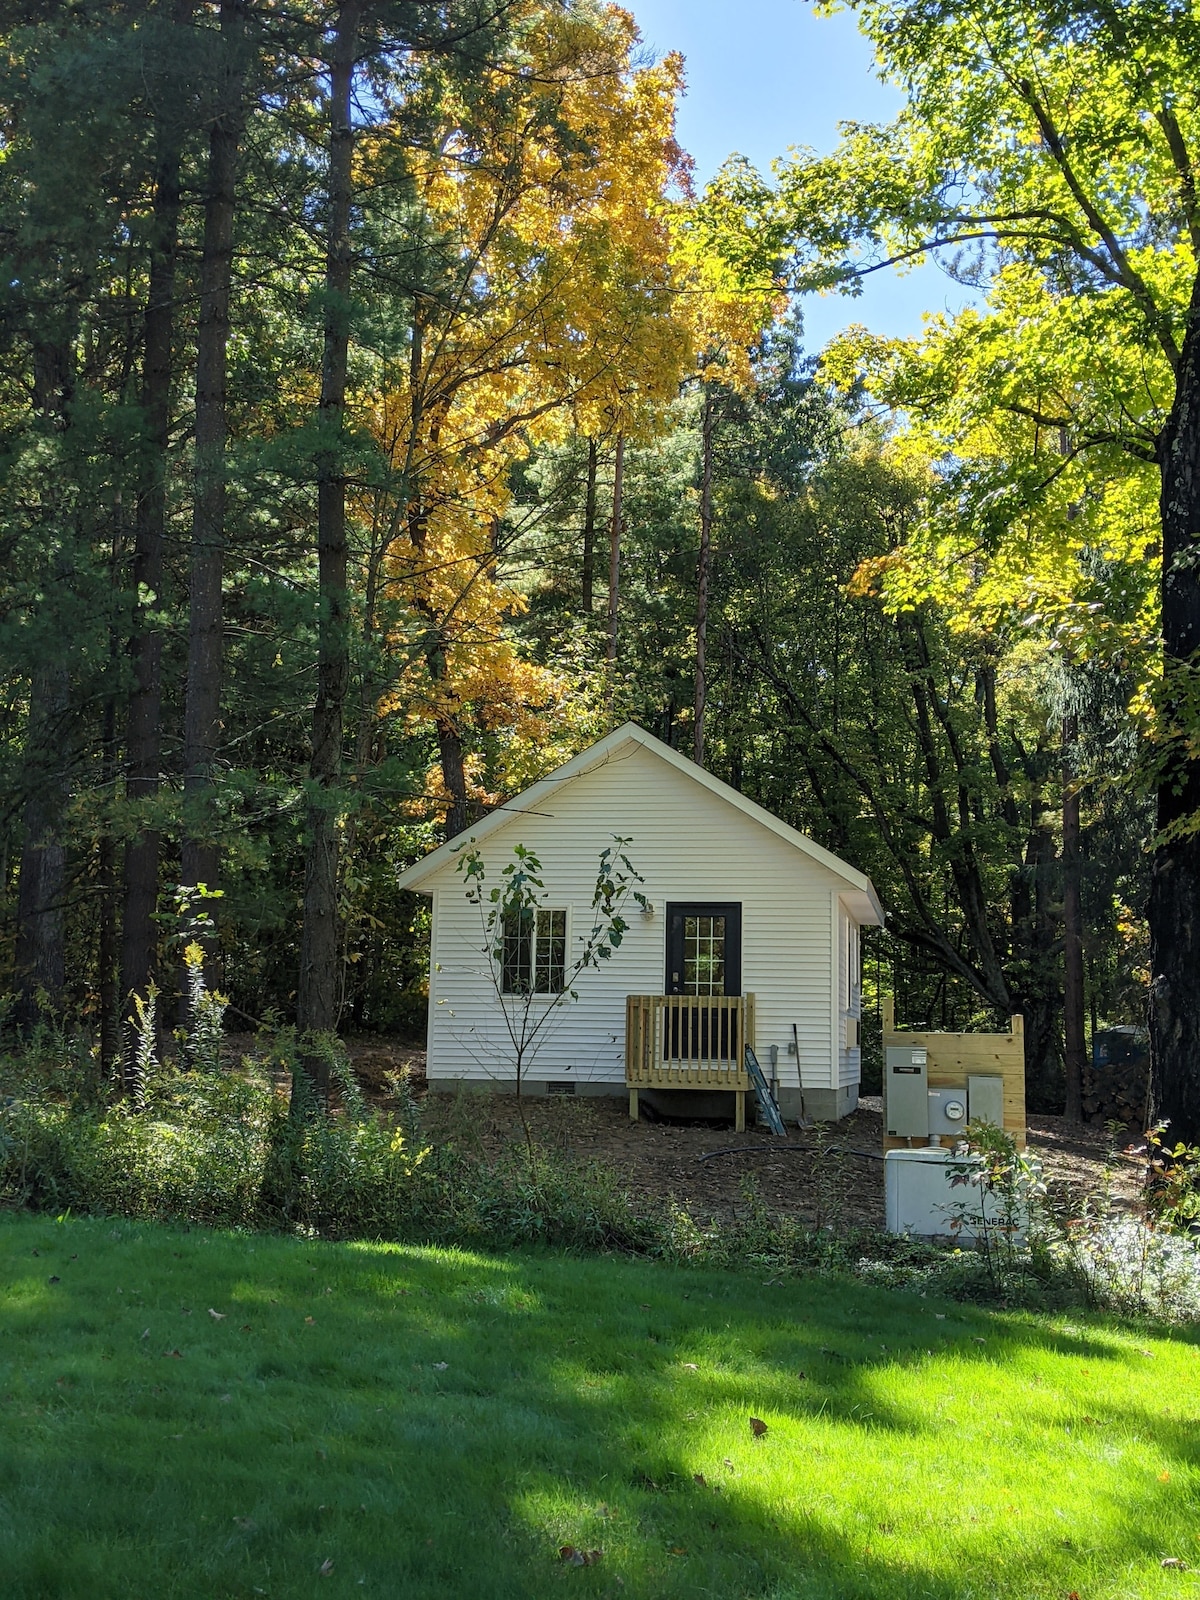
x,y
831,1173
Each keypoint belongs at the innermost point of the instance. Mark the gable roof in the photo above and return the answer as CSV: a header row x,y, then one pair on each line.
x,y
859,890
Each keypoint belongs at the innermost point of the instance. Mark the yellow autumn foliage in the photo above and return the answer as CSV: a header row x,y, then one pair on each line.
x,y
553,295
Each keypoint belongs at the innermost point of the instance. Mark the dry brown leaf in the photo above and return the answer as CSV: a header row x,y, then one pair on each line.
x,y
698,1477
757,1427
579,1558
176,1354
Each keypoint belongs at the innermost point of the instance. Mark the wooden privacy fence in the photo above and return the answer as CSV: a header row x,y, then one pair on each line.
x,y
682,1041
954,1057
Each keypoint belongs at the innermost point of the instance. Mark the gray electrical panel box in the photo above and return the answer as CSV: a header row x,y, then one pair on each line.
x,y
985,1099
906,1092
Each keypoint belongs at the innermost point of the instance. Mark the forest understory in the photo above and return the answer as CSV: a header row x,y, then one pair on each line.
x,y
832,1174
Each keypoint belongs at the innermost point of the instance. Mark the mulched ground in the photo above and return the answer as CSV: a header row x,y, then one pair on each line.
x,y
834,1173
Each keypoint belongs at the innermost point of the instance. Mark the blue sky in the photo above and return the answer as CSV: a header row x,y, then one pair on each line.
x,y
766,74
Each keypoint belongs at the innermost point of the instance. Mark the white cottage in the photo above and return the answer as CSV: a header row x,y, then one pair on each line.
x,y
751,934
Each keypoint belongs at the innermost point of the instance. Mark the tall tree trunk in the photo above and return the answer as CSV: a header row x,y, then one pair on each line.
x,y
1073,1002
40,956
106,885
143,738
317,997
454,775
702,566
202,706
40,952
589,531
1175,878
614,568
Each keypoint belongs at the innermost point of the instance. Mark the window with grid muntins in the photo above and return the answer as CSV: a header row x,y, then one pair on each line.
x,y
534,952
704,955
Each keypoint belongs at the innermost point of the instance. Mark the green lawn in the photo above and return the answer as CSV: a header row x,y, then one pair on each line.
x,y
365,1419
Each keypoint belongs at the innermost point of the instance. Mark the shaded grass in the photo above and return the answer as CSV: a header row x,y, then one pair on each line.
x,y
439,1423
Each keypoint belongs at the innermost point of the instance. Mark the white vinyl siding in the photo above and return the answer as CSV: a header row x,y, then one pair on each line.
x,y
690,845
849,998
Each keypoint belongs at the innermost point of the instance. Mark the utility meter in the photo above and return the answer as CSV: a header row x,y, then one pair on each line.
x,y
947,1110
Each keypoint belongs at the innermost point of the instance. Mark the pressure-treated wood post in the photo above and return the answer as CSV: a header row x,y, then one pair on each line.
x,y
633,1105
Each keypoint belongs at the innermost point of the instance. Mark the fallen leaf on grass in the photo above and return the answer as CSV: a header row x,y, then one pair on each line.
x,y
757,1427
440,1366
1164,1477
245,1327
326,1567
176,1355
678,1550
579,1558
728,1463
690,1366
698,1477
309,1319
145,1333
217,1316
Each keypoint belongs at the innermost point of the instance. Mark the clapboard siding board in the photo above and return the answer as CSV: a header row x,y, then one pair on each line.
x,y
953,1057
689,844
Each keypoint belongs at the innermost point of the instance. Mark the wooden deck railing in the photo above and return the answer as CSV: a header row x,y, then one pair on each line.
x,y
680,1041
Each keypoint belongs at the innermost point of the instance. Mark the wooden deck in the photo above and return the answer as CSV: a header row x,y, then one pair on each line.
x,y
679,1041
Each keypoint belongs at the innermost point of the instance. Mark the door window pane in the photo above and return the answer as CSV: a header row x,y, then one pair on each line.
x,y
704,955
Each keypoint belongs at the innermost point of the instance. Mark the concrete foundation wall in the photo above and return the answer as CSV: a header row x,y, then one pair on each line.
x,y
532,1088
821,1105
